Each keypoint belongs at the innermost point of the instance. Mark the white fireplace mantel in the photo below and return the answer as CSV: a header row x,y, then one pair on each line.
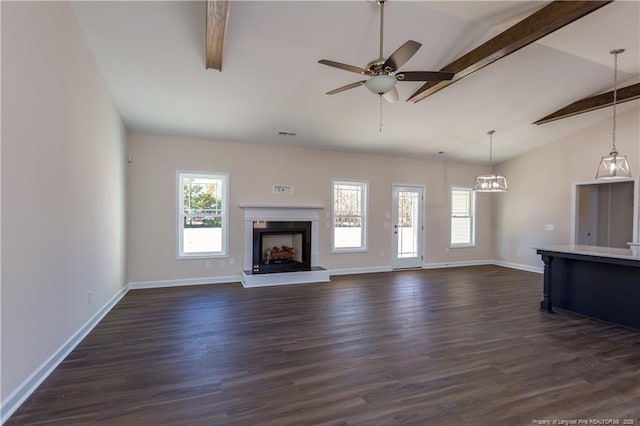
x,y
255,212
281,213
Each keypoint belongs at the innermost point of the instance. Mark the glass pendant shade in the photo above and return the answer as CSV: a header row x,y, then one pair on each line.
x,y
490,183
614,166
381,84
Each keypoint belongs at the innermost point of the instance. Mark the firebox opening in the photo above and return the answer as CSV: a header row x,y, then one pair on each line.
x,y
281,247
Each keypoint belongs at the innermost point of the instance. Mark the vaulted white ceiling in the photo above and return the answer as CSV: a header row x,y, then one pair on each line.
x,y
152,57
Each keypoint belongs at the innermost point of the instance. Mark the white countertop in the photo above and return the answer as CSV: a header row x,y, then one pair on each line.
x,y
617,253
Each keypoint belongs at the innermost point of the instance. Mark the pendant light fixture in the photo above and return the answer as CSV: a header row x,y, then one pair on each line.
x,y
614,166
492,182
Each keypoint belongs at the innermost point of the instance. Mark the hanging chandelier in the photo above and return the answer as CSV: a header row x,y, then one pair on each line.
x,y
614,166
491,182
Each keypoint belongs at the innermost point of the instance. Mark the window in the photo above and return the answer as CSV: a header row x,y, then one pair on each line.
x,y
202,214
349,215
462,217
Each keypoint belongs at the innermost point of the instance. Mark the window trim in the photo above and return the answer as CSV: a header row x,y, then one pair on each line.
x,y
364,247
472,216
224,176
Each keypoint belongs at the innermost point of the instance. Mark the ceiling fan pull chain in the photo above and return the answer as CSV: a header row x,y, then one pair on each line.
x,y
380,113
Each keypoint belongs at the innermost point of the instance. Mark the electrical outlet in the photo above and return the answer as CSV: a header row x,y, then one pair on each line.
x,y
207,264
232,261
381,253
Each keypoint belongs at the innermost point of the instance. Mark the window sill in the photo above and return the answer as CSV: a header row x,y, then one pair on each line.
x,y
456,246
349,250
201,256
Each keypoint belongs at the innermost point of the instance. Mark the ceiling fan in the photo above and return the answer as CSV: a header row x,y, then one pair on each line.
x,y
383,73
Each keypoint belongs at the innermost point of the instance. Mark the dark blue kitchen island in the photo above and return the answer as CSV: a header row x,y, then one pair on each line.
x,y
598,282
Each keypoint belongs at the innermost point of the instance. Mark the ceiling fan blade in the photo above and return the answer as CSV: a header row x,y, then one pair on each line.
x,y
342,66
391,96
347,87
401,55
424,76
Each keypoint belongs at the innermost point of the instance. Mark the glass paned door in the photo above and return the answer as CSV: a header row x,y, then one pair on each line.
x,y
407,224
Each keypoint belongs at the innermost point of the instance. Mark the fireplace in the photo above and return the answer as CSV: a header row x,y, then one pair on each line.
x,y
280,246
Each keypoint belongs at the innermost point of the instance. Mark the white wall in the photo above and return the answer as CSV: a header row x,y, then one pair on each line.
x,y
63,188
253,170
540,186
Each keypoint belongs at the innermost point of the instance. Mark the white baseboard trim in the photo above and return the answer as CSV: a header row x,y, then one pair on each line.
x,y
183,282
456,264
365,270
536,269
15,399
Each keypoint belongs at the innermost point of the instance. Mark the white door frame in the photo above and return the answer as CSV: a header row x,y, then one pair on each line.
x,y
574,200
413,262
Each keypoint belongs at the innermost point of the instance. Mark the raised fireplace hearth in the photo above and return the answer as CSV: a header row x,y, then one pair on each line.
x,y
281,245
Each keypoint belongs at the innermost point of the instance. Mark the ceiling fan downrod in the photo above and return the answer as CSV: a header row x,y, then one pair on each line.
x,y
381,3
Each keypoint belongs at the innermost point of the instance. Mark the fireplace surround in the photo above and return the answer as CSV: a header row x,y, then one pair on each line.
x,y
283,226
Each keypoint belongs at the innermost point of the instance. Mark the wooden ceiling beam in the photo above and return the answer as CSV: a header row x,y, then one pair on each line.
x,y
217,16
550,18
625,94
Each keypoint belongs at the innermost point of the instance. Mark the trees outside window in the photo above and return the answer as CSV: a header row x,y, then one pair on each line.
x,y
349,215
202,211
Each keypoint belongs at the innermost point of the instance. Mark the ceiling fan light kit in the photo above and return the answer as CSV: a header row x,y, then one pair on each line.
x,y
380,84
490,182
614,166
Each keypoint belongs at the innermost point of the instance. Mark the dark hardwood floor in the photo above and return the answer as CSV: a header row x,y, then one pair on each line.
x,y
460,346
